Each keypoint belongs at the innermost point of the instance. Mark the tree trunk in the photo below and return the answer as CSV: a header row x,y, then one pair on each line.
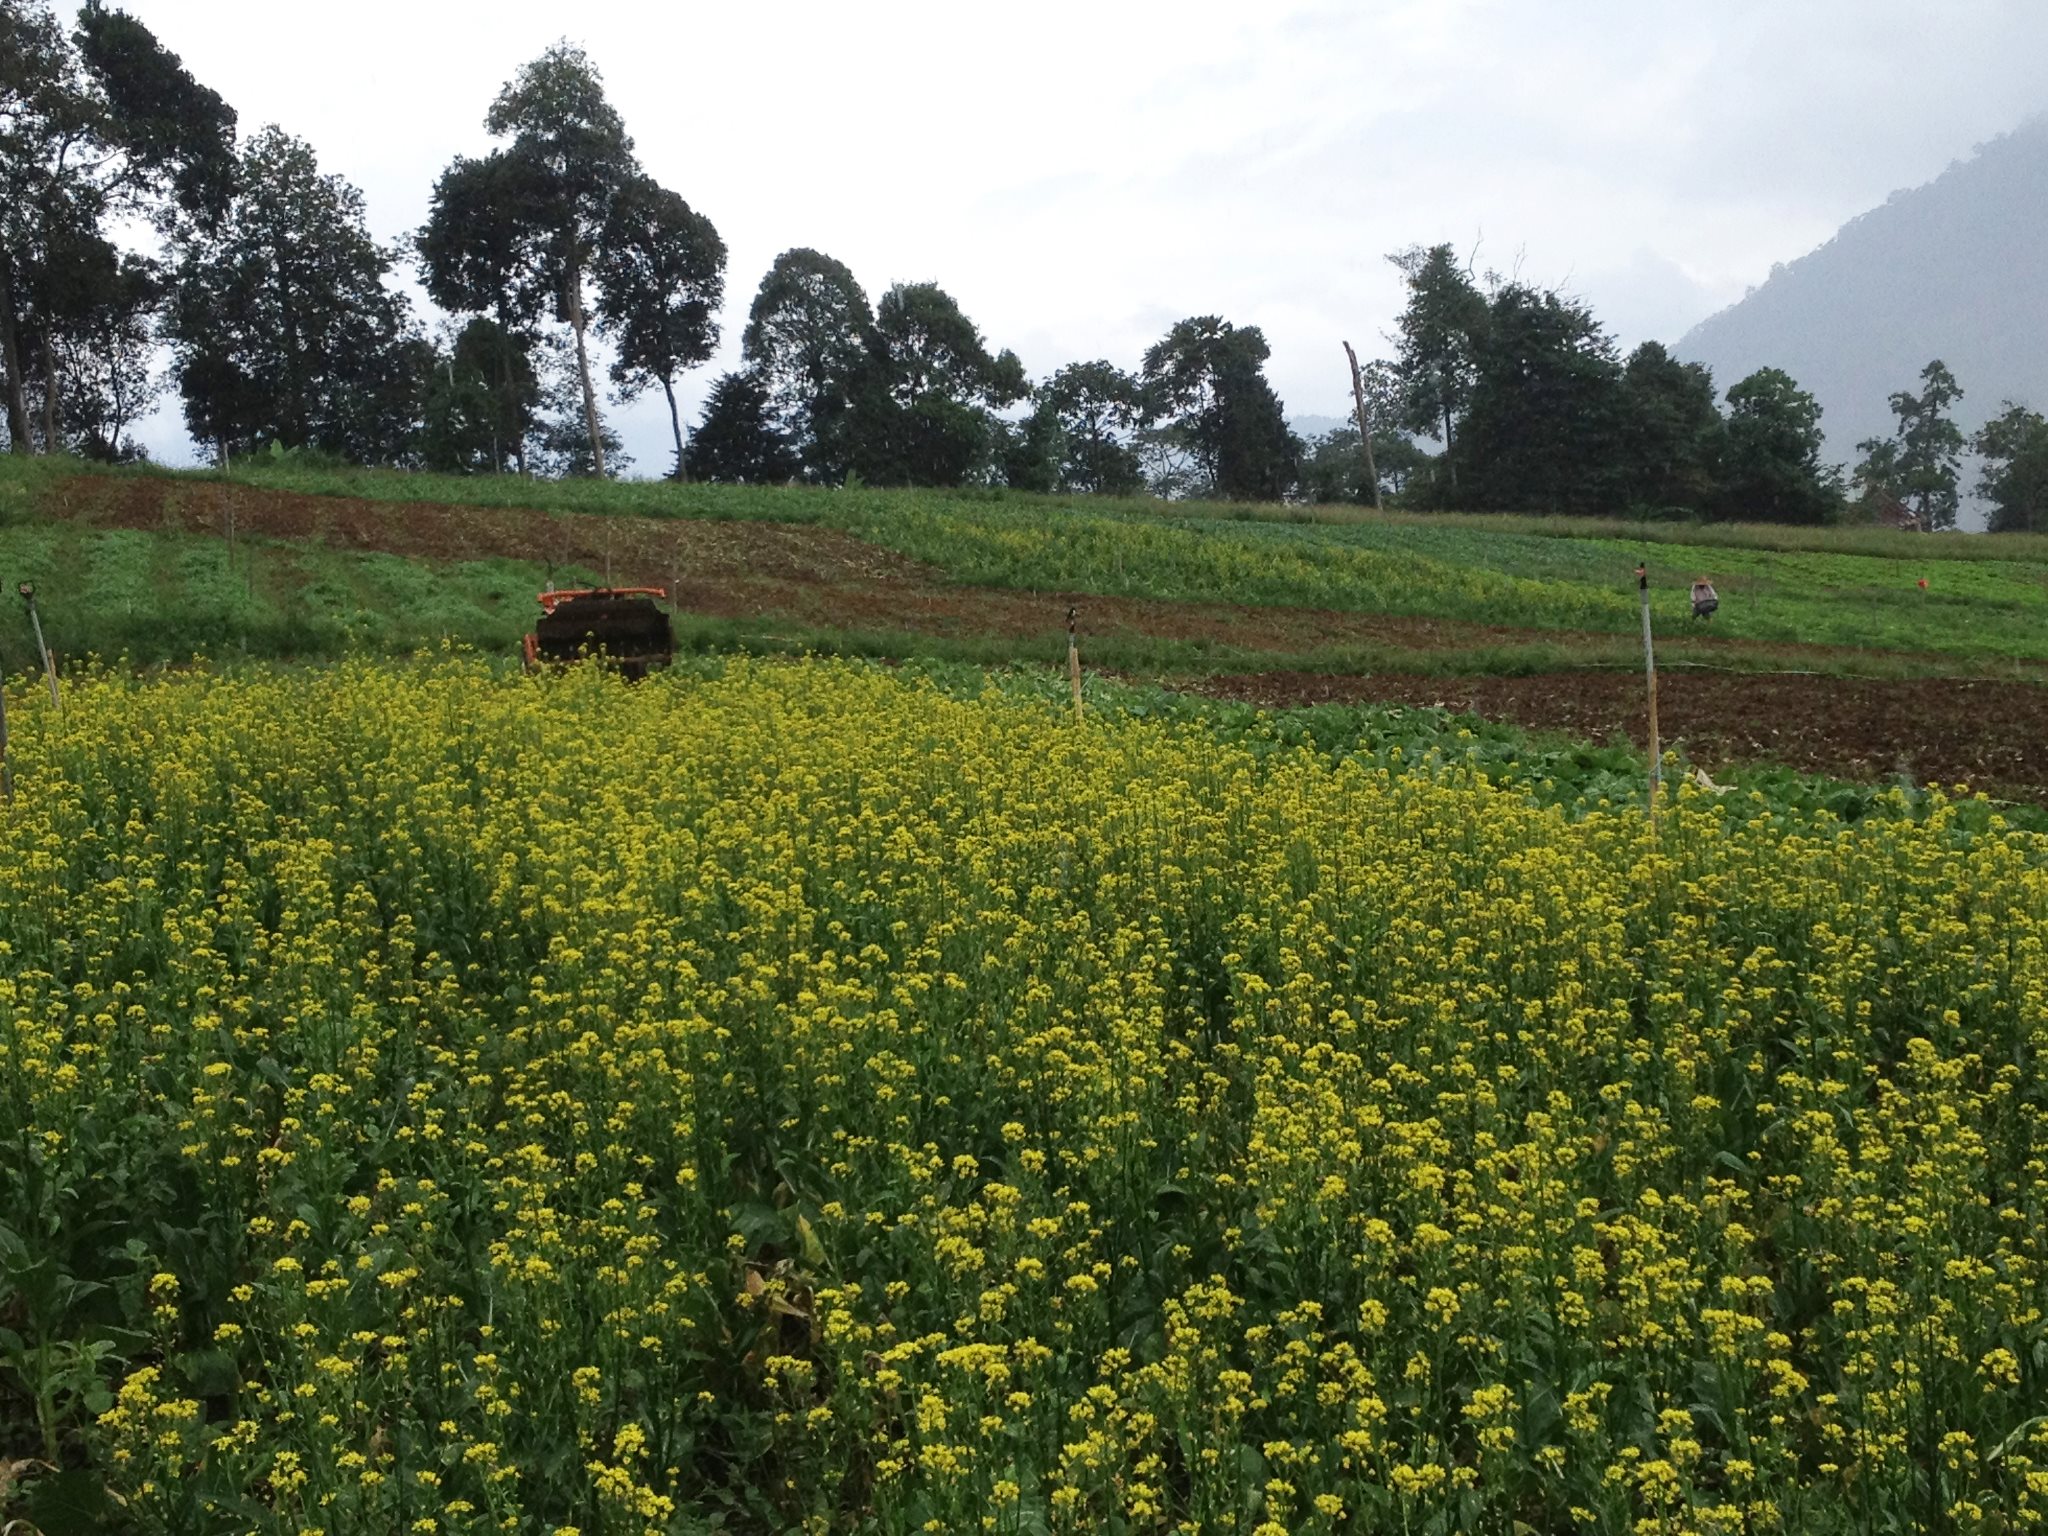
x,y
10,362
577,322
1372,472
52,443
294,409
675,422
1450,463
498,397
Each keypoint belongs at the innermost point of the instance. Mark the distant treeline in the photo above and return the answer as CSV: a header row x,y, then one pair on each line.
x,y
555,257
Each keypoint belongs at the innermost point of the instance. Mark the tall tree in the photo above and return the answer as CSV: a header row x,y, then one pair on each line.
x,y
737,440
1672,432
1929,447
1543,424
478,257
808,340
660,279
924,406
1333,468
480,400
1772,471
103,124
1097,408
283,327
2014,444
568,158
927,345
561,441
1030,450
1876,477
106,344
1205,382
1439,333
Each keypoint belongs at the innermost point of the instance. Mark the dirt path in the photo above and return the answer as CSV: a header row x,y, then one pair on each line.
x,y
1990,735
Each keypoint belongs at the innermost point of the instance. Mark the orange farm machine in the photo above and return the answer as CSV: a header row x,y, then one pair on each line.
x,y
625,627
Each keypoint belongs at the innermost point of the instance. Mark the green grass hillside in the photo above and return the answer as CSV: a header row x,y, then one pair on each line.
x,y
1523,593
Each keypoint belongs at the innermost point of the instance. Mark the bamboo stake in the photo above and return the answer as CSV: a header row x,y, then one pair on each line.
x,y
1650,675
1372,473
1074,662
35,619
6,770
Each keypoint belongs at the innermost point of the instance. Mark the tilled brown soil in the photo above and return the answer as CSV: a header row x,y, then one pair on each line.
x,y
633,548
1991,735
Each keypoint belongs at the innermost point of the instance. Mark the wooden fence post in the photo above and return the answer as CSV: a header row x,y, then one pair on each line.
x,y
35,619
1650,675
1074,661
6,769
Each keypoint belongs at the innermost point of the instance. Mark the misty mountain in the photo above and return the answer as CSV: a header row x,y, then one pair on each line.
x,y
1954,269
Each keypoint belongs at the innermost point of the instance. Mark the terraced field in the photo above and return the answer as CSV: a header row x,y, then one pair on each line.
x,y
1831,660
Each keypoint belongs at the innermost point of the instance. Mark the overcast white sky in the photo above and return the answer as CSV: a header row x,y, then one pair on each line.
x,y
1082,173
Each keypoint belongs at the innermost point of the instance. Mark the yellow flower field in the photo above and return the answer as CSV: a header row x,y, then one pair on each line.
x,y
801,1100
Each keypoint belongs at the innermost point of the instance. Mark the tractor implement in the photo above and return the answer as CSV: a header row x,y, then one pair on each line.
x,y
621,626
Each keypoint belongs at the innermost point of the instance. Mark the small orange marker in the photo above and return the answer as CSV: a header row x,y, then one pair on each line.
x,y
1923,583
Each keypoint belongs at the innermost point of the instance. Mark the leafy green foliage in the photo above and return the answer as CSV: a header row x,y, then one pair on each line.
x,y
284,328
660,279
1440,328
480,401
1094,409
1206,382
925,401
103,125
807,341
1772,470
567,159
167,124
104,339
1919,463
1672,436
2014,445
1536,413
475,253
737,441
1333,465
1543,427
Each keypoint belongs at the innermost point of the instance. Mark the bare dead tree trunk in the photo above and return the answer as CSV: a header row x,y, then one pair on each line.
x,y
1372,473
577,322
675,422
10,362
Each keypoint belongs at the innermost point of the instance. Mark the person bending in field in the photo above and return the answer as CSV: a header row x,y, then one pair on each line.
x,y
1704,599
